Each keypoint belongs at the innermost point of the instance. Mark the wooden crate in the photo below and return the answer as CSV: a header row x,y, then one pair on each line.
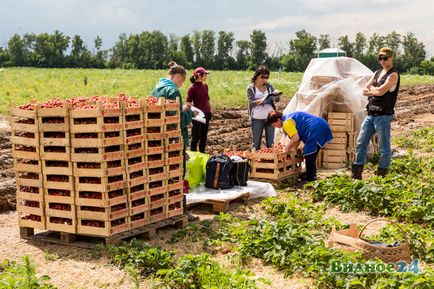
x,y
318,81
27,165
172,118
139,220
97,154
54,209
55,167
96,139
133,117
157,107
174,157
139,205
375,143
158,214
175,183
174,143
134,150
54,138
29,179
59,196
26,220
154,132
341,121
54,119
56,153
172,105
157,187
136,163
154,146
352,140
29,193
133,135
137,177
155,160
61,182
108,228
334,159
173,130
101,199
96,120
175,209
339,141
175,170
26,152
103,213
100,184
61,224
275,166
30,207
156,174
99,169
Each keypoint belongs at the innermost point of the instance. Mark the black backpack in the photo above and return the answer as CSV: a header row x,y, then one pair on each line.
x,y
240,172
219,172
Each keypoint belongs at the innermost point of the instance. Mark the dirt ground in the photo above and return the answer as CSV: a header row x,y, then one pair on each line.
x,y
229,128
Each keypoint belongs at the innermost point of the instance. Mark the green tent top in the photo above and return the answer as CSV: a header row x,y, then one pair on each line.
x,y
331,52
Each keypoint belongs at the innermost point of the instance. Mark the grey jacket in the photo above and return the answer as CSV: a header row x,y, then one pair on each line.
x,y
251,90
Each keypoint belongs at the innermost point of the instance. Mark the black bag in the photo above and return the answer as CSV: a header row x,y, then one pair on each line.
x,y
219,172
240,172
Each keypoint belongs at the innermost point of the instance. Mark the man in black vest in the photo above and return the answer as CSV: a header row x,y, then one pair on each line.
x,y
382,91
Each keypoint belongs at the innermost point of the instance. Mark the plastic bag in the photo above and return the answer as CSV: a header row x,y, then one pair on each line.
x,y
196,168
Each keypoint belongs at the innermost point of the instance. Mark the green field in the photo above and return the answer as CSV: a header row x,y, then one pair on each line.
x,y
227,88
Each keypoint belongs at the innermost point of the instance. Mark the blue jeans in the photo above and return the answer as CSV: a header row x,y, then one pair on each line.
x,y
379,124
258,126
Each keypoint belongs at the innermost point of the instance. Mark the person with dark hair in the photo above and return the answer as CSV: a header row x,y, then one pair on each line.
x,y
382,92
312,130
261,96
169,89
198,96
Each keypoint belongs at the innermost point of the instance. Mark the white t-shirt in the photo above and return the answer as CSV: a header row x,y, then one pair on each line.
x,y
261,111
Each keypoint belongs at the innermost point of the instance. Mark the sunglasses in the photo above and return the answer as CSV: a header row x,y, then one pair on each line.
x,y
383,58
264,77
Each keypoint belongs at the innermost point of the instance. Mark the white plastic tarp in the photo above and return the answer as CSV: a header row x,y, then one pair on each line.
x,y
332,84
254,188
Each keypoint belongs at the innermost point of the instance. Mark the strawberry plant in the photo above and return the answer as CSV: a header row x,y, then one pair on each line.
x,y
22,276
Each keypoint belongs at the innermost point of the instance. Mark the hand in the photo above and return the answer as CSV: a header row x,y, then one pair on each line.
x,y
259,101
186,107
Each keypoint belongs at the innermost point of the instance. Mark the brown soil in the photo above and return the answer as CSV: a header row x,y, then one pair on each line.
x,y
229,128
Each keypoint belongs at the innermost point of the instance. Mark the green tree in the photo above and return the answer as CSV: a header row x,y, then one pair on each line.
x,y
118,52
223,59
207,48
393,40
187,49
345,44
375,43
359,45
4,57
301,51
258,47
414,52
100,56
242,54
324,41
173,50
16,50
196,47
80,56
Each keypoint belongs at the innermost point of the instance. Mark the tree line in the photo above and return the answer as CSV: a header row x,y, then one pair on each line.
x,y
218,51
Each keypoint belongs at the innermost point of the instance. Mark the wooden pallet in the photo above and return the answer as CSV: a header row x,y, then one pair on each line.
x,y
221,206
88,241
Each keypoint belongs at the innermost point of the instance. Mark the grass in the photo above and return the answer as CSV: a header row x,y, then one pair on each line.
x,y
227,88
421,139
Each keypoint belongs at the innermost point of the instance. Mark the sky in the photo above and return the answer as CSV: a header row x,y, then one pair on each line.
x,y
279,19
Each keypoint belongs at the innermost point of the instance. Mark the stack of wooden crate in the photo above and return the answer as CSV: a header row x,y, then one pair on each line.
x,y
275,164
340,151
97,171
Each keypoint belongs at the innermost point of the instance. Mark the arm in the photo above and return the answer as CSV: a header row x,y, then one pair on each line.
x,y
381,90
366,89
251,97
293,143
190,94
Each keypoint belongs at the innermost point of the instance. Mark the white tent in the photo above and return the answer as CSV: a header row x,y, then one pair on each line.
x,y
332,84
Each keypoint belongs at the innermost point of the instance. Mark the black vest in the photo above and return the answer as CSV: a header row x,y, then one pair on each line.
x,y
383,105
